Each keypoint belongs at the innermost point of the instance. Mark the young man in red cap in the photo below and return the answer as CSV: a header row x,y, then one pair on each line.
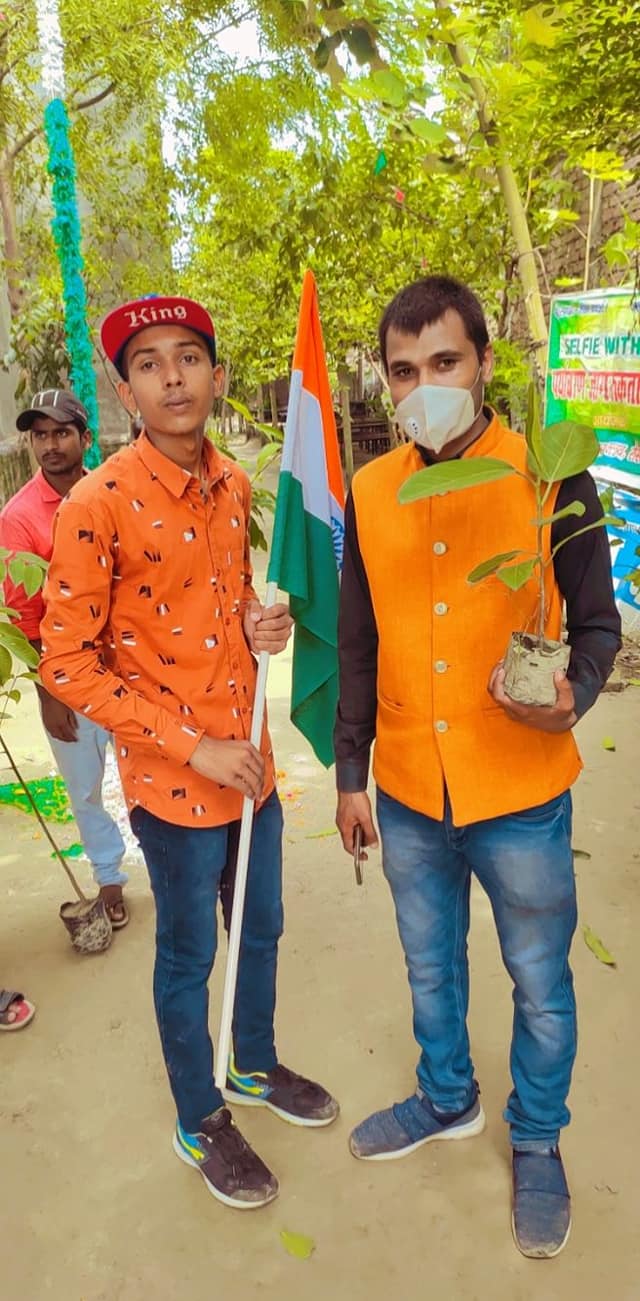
x,y
58,428
152,626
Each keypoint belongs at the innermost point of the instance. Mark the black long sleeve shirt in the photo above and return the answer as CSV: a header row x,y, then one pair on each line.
x,y
583,573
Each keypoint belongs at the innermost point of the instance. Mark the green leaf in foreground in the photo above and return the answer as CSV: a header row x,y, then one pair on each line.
x,y
297,1244
490,566
6,664
321,835
574,508
581,853
453,476
566,448
515,576
597,947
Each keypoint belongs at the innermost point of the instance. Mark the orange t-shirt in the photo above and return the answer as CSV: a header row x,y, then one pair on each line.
x,y
145,595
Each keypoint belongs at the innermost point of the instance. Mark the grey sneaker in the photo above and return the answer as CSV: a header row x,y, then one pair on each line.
x,y
230,1168
408,1125
541,1219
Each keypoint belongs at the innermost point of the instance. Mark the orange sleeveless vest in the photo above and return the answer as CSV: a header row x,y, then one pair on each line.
x,y
439,639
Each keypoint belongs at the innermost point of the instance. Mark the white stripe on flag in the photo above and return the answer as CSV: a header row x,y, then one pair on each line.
x,y
303,453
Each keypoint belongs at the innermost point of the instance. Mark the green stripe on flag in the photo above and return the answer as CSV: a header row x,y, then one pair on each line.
x,y
303,564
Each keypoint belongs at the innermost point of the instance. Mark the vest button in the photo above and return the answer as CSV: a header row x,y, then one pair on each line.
x,y
440,607
439,548
441,726
441,666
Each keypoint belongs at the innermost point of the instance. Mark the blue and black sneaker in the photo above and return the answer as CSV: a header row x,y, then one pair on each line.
x,y
230,1168
290,1096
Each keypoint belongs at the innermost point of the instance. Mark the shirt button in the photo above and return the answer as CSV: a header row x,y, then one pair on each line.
x,y
441,666
440,607
439,548
441,726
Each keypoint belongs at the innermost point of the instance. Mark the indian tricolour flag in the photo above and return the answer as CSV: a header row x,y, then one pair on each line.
x,y
308,533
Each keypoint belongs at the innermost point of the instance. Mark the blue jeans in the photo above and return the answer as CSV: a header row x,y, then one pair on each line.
x,y
188,868
524,863
81,764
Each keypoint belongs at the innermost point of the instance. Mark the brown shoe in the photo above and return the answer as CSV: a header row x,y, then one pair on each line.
x,y
230,1168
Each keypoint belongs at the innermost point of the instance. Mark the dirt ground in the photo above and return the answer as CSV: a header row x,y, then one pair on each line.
x,y
94,1205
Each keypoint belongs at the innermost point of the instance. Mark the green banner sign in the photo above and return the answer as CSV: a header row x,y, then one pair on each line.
x,y
594,374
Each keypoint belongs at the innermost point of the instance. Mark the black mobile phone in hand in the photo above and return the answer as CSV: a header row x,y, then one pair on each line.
x,y
357,852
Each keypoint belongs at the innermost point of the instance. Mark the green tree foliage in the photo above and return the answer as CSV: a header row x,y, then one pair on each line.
x,y
372,141
286,179
119,64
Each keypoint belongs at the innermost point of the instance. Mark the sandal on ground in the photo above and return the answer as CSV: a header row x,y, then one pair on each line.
x,y
117,910
15,1010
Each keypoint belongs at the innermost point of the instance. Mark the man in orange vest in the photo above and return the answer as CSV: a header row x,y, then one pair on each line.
x,y
467,780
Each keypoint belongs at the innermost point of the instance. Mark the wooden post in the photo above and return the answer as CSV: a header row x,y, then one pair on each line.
x,y
360,383
273,402
344,380
260,404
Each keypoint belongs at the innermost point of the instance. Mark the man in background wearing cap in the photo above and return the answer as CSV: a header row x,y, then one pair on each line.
x,y
57,422
151,557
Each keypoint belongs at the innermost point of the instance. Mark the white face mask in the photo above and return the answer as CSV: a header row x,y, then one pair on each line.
x,y
435,414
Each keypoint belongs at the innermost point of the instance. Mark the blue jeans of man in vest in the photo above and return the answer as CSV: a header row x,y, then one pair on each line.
x,y
524,863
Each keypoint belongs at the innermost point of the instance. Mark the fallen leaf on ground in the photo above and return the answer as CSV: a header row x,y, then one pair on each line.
x,y
297,1244
581,853
320,835
608,743
597,947
634,682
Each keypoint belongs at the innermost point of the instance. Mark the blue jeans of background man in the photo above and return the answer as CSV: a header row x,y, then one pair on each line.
x,y
186,868
81,764
524,863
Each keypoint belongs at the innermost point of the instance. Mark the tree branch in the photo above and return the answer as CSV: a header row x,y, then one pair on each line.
x,y
81,104
10,66
77,107
24,141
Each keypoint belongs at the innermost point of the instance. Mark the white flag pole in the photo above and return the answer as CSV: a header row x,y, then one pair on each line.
x,y
242,868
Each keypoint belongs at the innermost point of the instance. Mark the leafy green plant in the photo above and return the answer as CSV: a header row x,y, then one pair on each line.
x,y
27,570
37,350
553,454
19,660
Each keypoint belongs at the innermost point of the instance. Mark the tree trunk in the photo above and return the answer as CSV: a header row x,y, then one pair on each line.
x,y
10,236
527,268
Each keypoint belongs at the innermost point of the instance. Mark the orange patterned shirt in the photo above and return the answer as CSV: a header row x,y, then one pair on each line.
x,y
145,595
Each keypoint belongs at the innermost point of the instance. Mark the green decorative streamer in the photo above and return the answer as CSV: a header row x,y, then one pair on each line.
x,y
66,233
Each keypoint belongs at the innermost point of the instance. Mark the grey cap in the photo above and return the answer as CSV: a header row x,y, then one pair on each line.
x,y
58,403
